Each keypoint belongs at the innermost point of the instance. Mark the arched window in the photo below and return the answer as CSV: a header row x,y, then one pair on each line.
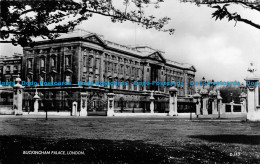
x,y
53,61
42,62
67,60
52,78
90,61
68,78
29,63
84,61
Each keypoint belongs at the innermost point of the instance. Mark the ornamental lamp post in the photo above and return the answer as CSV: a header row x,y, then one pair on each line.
x,y
203,81
242,87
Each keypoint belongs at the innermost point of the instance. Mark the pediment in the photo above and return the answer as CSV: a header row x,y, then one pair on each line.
x,y
156,56
193,68
95,39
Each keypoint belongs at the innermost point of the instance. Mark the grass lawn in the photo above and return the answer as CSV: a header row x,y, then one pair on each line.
x,y
129,140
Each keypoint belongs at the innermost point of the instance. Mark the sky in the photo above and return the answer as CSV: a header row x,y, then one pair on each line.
x,y
219,50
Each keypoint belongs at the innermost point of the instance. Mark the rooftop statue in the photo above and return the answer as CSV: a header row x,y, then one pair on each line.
x,y
251,68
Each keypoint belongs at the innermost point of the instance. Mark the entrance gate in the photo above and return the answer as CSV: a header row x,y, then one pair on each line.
x,y
97,107
186,107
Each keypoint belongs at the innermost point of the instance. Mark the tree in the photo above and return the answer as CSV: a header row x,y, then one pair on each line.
x,y
230,93
223,11
23,20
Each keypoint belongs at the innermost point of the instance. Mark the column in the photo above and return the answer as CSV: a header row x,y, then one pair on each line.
x,y
83,104
252,95
243,102
196,99
111,107
173,101
186,83
74,108
232,107
214,106
152,99
220,105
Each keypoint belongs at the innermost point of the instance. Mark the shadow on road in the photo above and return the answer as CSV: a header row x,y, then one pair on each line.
x,y
109,151
228,138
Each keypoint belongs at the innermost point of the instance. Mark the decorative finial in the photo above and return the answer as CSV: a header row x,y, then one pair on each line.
x,y
251,68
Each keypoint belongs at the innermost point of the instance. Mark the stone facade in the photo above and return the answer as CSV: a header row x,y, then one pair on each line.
x,y
87,57
10,67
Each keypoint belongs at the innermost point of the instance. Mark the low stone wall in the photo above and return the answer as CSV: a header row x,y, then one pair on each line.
x,y
6,110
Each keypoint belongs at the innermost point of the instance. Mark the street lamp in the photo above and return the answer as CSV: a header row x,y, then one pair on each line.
x,y
231,95
203,81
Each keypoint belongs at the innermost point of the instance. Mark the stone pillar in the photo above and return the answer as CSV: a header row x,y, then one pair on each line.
x,y
205,98
173,101
83,104
253,113
186,83
110,107
36,102
243,102
232,107
152,102
214,106
198,106
18,97
196,98
220,105
74,108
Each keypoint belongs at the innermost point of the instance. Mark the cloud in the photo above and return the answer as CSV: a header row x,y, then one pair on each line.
x,y
218,50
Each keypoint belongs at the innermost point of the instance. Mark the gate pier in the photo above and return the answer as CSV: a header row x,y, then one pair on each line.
x,y
253,113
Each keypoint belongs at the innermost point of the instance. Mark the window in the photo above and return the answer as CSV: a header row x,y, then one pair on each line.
x,y
41,79
8,69
97,63
28,80
121,68
111,66
127,70
84,61
67,61
29,63
108,66
115,67
52,78
68,79
42,62
90,61
53,61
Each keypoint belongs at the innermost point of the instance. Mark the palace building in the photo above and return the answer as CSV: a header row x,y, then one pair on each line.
x,y
80,58
10,67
